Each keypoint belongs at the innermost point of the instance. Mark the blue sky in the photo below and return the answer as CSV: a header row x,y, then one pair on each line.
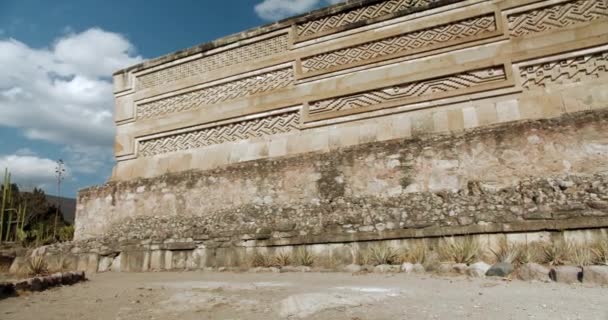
x,y
56,61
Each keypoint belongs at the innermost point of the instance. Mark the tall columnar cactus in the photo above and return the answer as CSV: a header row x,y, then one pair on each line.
x,y
6,192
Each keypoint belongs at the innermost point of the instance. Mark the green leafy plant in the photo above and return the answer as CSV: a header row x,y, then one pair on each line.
x,y
66,233
599,248
37,266
303,257
463,250
381,254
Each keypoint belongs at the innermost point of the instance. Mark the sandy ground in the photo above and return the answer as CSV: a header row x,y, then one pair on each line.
x,y
208,295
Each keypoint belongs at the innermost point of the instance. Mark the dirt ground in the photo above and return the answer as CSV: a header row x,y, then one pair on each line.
x,y
210,295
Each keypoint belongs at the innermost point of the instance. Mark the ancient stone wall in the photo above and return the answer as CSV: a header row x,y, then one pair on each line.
x,y
367,120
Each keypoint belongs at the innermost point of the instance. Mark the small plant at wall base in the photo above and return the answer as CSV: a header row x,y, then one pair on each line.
x,y
381,254
462,250
303,257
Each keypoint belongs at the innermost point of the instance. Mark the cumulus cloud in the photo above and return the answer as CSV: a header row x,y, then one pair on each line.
x,y
273,10
30,171
63,94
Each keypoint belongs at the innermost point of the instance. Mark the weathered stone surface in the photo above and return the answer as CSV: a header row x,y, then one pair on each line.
x,y
460,268
596,275
501,269
17,265
418,268
387,268
478,269
105,263
566,274
116,263
533,271
353,268
407,267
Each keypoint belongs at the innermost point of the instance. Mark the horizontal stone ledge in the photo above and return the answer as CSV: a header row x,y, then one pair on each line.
x,y
434,232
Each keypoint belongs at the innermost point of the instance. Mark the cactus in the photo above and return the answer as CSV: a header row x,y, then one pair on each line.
x,y
6,191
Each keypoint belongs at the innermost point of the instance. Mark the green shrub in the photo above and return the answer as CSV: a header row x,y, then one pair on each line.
x,y
66,233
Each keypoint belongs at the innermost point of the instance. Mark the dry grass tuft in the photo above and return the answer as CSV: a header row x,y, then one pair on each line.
x,y
380,254
259,259
599,248
281,259
417,253
303,257
463,250
506,252
37,266
555,253
528,253
579,254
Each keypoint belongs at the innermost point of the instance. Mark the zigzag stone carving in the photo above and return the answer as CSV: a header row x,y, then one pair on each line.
x,y
244,53
570,70
412,89
410,41
557,16
247,129
310,28
211,95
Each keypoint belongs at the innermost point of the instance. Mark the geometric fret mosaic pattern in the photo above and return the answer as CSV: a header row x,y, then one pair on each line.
x,y
570,70
310,28
244,53
242,130
557,16
410,41
219,93
412,89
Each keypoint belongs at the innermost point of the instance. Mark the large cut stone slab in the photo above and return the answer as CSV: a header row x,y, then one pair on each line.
x,y
566,274
596,275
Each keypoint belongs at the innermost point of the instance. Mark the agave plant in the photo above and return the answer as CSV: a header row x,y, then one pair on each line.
x,y
303,257
464,250
600,251
37,266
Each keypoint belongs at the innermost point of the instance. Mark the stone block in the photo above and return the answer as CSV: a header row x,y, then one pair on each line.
x,y
596,275
533,271
566,274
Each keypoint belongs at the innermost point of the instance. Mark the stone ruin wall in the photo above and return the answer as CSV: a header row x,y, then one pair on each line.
x,y
369,120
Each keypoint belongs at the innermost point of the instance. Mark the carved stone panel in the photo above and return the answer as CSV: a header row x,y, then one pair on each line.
x,y
215,94
557,16
328,24
569,70
408,92
408,43
244,53
246,129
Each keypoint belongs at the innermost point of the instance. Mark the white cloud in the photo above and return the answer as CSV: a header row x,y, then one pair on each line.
x,y
30,171
63,94
272,10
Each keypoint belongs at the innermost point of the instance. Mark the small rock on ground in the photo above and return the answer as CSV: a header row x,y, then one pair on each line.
x,y
460,268
386,268
501,269
353,268
478,269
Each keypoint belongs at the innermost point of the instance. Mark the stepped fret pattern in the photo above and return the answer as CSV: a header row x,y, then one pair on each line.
x,y
557,16
336,21
394,45
247,129
244,53
413,89
211,95
571,70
